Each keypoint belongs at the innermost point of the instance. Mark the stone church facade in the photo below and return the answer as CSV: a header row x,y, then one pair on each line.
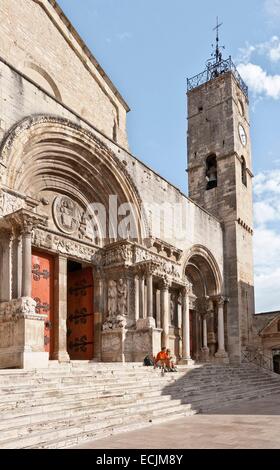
x,y
100,258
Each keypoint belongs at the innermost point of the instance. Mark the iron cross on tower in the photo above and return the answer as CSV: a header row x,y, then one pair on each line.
x,y
218,52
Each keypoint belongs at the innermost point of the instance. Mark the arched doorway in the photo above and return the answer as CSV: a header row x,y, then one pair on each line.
x,y
61,171
202,272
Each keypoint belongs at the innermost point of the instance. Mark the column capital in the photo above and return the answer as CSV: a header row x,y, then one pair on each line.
x,y
221,300
166,283
27,220
186,289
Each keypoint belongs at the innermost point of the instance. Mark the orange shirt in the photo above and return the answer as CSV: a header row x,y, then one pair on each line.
x,y
162,356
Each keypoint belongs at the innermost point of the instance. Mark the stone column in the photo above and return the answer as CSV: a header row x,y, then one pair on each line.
x,y
158,307
6,266
180,324
221,354
165,312
98,314
211,333
137,298
186,327
205,349
27,262
142,297
150,321
17,266
205,346
150,295
60,310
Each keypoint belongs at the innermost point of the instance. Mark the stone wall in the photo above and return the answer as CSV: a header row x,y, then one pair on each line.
x,y
38,40
21,98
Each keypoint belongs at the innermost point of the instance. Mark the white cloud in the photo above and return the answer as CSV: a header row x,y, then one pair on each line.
x,y
259,81
264,213
267,182
269,49
267,241
272,8
267,291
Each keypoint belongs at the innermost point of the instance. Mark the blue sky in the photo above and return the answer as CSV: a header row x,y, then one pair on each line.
x,y
149,48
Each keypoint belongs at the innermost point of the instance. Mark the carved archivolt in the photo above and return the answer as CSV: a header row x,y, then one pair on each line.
x,y
35,137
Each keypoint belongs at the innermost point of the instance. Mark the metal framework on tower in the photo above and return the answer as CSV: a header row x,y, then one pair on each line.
x,y
217,66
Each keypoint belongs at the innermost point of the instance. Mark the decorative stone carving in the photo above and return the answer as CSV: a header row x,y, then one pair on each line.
x,y
117,306
202,305
66,214
42,239
112,299
173,308
122,298
13,310
118,255
10,203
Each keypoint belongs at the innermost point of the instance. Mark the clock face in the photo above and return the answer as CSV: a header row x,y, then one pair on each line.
x,y
242,135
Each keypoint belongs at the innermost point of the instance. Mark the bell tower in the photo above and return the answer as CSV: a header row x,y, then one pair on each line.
x,y
220,181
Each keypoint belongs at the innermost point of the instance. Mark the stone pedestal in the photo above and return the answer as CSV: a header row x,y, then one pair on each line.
x,y
112,348
122,345
22,335
145,323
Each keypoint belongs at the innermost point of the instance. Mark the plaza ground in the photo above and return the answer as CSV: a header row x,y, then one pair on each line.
x,y
245,425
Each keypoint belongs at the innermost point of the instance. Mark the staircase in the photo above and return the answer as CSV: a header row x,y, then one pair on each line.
x,y
66,405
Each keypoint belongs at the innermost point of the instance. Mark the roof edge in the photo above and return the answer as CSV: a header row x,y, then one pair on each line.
x,y
87,51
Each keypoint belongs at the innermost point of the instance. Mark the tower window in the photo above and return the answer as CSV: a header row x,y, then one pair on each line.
x,y
211,172
244,171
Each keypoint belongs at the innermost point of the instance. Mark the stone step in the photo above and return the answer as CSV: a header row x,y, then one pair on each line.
x,y
15,395
61,379
66,405
75,411
78,391
60,429
194,388
107,432
90,381
202,401
89,402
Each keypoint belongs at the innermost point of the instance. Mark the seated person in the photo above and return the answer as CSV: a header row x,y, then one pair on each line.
x,y
148,361
161,359
171,361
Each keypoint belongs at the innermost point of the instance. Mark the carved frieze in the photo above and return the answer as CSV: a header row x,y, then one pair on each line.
x,y
14,310
127,254
42,239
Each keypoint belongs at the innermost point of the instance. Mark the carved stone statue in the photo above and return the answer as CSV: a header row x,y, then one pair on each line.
x,y
122,298
112,299
117,306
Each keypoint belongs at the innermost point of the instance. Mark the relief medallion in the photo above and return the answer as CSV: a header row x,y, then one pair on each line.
x,y
66,214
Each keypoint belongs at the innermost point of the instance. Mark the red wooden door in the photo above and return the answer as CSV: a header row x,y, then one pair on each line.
x,y
80,314
42,293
